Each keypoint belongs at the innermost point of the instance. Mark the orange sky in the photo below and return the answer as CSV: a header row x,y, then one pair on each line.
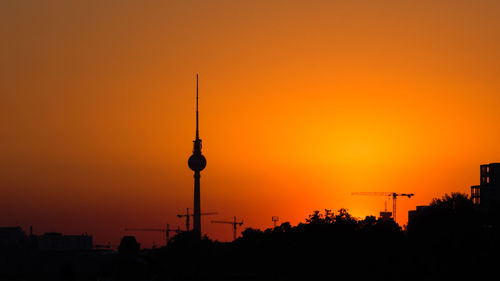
x,y
302,103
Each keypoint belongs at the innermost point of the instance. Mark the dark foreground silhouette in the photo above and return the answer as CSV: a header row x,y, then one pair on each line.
x,y
447,240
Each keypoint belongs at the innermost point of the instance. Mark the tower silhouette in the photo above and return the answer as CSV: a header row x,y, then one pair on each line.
x,y
197,163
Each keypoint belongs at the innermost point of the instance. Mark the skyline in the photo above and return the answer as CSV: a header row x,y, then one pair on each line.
x,y
303,103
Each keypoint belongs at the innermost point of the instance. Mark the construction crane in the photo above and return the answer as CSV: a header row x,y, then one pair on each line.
x,y
166,230
275,219
187,215
394,196
234,223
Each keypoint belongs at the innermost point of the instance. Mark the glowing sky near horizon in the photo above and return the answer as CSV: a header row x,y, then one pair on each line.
x,y
301,104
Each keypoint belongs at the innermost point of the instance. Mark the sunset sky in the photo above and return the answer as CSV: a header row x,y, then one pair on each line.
x,y
301,104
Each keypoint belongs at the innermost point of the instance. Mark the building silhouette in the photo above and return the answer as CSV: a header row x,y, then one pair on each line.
x,y
487,194
197,163
12,237
414,214
55,241
385,215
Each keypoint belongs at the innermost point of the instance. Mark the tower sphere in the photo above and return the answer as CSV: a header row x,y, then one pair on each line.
x,y
197,162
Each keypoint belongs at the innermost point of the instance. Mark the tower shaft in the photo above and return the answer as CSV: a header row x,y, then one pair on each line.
x,y
197,205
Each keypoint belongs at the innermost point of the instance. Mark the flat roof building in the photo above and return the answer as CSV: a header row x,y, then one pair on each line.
x,y
54,241
487,193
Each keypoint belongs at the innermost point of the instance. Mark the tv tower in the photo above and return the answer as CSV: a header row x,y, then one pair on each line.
x,y
197,163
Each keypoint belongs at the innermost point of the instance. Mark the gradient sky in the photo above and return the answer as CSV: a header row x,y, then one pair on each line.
x,y
302,103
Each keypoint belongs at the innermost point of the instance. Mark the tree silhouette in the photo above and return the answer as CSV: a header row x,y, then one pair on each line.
x,y
128,245
449,239
451,216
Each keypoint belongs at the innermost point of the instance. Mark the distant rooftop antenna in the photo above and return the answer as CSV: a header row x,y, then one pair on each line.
x,y
275,220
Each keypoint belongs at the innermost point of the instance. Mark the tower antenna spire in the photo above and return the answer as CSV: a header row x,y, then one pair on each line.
x,y
197,134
